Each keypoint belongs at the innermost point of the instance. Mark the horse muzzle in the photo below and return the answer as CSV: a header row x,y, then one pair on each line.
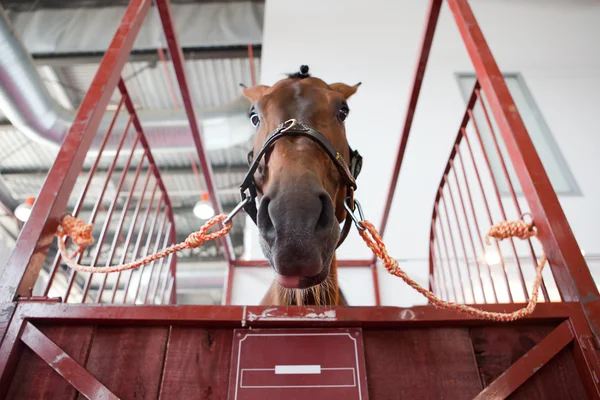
x,y
298,232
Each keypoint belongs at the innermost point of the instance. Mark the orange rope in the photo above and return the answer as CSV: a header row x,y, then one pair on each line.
x,y
502,230
81,234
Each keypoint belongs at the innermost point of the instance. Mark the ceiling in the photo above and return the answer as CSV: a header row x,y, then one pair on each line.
x,y
214,73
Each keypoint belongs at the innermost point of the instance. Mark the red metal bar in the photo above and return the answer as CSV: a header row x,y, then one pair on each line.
x,y
160,266
528,364
167,278
31,249
475,220
460,277
173,292
157,247
148,244
462,241
146,146
572,276
489,213
462,290
228,287
169,291
164,9
444,277
138,240
434,216
122,217
171,87
94,214
437,272
464,210
500,204
83,193
79,377
433,12
109,213
510,184
132,225
433,275
216,316
375,276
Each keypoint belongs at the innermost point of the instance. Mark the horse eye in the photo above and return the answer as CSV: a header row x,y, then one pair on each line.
x,y
343,113
254,118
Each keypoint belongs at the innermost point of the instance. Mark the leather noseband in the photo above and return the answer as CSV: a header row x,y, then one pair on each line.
x,y
291,127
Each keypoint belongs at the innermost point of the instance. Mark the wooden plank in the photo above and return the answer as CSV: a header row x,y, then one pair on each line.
x,y
421,364
129,360
498,347
64,365
197,364
73,340
525,367
556,380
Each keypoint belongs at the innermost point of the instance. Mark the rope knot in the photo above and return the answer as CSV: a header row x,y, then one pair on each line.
x,y
195,239
77,230
507,229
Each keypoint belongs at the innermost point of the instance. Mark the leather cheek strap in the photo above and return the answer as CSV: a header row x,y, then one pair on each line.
x,y
348,173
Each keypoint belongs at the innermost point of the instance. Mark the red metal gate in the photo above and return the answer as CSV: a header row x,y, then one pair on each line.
x,y
147,351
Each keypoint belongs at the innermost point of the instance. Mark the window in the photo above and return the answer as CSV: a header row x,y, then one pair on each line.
x,y
556,167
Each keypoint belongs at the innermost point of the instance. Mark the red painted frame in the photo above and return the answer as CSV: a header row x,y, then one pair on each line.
x,y
581,298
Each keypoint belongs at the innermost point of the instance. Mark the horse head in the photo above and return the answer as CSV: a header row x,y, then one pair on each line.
x,y
300,185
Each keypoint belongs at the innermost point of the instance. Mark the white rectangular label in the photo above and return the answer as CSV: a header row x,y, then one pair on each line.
x,y
297,369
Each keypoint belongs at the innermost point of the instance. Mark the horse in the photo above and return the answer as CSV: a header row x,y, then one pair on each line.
x,y
302,176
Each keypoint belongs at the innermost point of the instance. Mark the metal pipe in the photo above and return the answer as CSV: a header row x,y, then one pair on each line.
x,y
28,106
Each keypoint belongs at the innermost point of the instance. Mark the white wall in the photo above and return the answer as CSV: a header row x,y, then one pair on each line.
x,y
552,44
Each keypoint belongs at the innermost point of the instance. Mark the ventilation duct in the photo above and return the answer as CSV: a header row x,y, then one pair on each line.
x,y
26,103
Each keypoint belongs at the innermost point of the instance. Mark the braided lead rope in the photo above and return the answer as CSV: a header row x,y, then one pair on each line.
x,y
81,234
499,231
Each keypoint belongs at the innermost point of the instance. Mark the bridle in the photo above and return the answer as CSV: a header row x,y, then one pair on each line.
x,y
292,127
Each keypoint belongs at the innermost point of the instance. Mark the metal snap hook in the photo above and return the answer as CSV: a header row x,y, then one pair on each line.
x,y
237,209
357,221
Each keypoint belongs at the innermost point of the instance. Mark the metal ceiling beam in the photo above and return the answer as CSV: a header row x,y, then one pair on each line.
x,y
37,173
189,53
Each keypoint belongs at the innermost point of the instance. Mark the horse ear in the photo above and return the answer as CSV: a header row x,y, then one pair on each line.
x,y
344,89
256,92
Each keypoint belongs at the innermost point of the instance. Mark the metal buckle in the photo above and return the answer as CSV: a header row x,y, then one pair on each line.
x,y
287,125
357,221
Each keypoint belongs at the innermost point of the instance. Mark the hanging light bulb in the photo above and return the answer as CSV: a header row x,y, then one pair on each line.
x,y
491,257
23,211
203,209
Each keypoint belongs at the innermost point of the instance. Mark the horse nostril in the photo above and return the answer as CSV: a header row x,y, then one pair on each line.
x,y
264,220
326,217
